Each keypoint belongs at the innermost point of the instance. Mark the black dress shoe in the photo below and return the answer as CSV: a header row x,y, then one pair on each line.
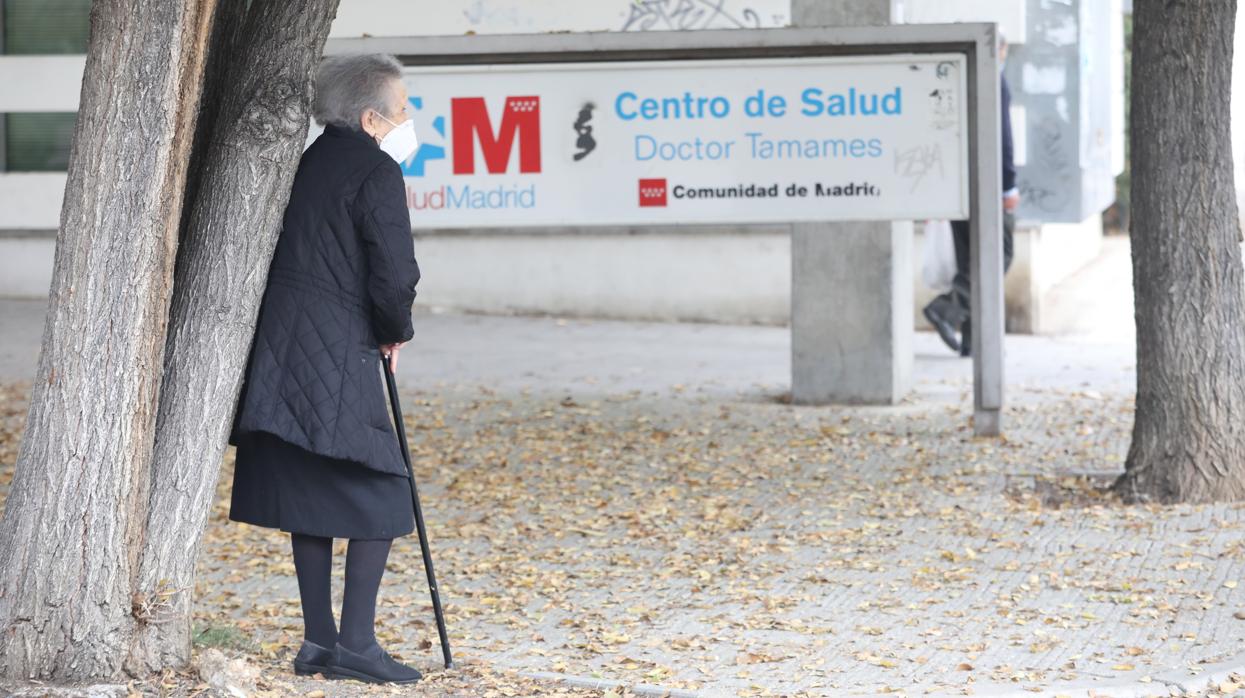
x,y
939,312
312,659
374,665
966,338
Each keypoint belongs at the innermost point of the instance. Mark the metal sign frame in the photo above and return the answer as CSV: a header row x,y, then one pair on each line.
x,y
977,41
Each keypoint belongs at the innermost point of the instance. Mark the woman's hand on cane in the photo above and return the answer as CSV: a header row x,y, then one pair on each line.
x,y
390,352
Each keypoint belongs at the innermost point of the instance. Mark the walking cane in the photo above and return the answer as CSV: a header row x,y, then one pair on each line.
x,y
419,512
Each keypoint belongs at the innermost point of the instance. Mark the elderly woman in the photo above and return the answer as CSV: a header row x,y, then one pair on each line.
x,y
317,455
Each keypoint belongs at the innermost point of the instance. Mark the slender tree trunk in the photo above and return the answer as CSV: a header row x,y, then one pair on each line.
x,y
76,510
226,28
1189,436
258,135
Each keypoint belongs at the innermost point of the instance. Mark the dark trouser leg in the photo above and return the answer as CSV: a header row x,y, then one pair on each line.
x,y
961,287
1009,228
365,564
946,313
313,563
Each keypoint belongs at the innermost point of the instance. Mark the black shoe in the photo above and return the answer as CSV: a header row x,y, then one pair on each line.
x,y
938,312
966,338
312,659
374,665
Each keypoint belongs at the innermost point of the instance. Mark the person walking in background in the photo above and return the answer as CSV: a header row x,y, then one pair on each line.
x,y
950,313
316,453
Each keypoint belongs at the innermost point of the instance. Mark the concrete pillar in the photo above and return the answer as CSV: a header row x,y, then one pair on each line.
x,y
851,312
851,283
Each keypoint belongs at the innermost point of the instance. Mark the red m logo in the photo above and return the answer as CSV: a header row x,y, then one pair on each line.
x,y
520,117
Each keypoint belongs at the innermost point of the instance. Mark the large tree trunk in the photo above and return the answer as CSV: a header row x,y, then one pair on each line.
x,y
1189,437
74,516
258,134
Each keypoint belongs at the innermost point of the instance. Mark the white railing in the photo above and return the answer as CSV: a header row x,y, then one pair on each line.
x,y
32,200
40,83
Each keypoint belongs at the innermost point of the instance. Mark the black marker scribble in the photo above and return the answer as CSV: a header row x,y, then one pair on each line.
x,y
944,109
919,162
586,143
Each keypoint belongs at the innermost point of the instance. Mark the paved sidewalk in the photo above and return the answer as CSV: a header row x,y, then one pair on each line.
x,y
634,504
549,355
756,549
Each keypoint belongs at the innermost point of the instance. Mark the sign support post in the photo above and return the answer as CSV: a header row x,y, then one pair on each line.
x,y
986,236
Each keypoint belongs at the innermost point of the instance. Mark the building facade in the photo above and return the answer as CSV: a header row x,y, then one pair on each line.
x,y
1065,69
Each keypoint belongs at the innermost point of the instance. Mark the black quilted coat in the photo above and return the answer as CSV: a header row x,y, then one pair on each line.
x,y
341,284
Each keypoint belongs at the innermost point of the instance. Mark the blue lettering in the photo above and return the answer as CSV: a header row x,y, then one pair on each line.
x,y
852,102
812,102
618,105
650,143
459,199
629,106
893,102
753,136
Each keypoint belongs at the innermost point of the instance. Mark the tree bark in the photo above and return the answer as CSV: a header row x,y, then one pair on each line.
x,y
222,267
226,26
75,512
1189,435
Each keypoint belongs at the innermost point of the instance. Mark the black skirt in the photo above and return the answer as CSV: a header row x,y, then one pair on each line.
x,y
279,485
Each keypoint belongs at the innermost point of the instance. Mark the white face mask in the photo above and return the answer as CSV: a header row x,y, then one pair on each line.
x,y
401,142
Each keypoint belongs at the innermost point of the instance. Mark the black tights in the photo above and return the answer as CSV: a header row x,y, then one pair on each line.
x,y
365,563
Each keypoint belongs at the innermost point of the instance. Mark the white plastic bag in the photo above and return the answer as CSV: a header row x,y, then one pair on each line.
x,y
938,256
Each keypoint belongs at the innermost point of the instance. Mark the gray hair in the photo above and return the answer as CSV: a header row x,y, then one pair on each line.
x,y
348,85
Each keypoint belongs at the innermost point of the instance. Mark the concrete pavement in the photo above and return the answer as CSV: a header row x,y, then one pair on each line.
x,y
634,505
514,354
